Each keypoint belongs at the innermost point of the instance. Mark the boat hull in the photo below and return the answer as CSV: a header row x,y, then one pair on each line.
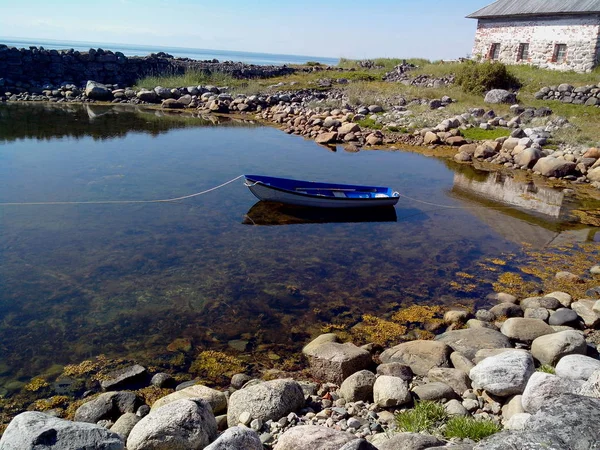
x,y
271,193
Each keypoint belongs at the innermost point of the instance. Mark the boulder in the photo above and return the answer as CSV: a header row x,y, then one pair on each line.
x,y
335,362
35,430
98,91
435,391
312,437
485,150
591,387
132,377
455,378
405,441
147,96
216,399
237,438
171,103
469,341
374,139
358,387
500,96
504,374
512,407
321,339
269,400
419,355
125,424
326,138
563,298
394,369
456,141
431,138
562,316
162,92
577,367
487,352
553,167
550,348
542,387
184,424
507,310
517,422
594,174
391,391
528,157
107,406
461,362
525,330
585,309
349,128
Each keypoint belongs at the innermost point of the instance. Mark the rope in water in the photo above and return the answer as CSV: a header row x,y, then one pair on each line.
x,y
122,202
451,206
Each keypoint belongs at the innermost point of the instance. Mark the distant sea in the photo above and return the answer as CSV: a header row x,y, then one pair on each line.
x,y
262,59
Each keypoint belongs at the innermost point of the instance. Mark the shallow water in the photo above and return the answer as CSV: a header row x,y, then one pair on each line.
x,y
126,280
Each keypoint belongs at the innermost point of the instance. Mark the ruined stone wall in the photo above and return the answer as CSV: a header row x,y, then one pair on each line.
x,y
579,33
37,67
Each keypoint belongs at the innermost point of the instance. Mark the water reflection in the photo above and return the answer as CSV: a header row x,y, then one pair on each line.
x,y
271,213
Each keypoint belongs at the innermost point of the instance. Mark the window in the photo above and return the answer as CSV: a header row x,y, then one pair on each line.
x,y
494,51
560,53
523,54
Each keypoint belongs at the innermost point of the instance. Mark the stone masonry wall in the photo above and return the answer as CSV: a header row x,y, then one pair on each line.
x,y
37,67
580,34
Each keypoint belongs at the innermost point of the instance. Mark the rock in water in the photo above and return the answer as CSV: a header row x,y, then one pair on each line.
x,y
181,425
97,91
36,430
269,400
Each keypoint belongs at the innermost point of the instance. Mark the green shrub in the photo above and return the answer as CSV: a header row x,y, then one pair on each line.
x,y
425,416
469,428
478,78
313,63
546,369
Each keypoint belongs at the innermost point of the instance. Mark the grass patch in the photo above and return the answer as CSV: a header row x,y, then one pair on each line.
x,y
469,428
477,134
425,416
545,368
370,123
189,78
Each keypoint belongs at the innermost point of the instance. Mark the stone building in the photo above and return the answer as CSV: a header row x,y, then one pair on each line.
x,y
553,34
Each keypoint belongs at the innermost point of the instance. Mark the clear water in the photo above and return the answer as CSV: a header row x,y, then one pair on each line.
x,y
263,59
126,280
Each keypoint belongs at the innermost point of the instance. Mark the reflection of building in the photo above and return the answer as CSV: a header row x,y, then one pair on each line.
x,y
500,188
515,225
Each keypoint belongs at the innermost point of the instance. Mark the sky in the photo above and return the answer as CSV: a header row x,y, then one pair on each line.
x,y
433,29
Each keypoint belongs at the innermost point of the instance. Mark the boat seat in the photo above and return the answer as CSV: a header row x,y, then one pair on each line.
x,y
339,194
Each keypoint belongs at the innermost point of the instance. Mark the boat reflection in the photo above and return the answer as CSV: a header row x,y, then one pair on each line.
x,y
271,213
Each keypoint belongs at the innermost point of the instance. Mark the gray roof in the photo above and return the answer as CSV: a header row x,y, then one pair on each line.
x,y
511,8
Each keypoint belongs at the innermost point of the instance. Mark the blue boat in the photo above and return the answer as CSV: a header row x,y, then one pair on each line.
x,y
321,195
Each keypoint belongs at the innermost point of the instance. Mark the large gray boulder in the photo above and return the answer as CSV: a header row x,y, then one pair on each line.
x,y
38,431
528,157
98,91
420,355
358,387
469,341
391,391
125,424
549,349
436,391
269,400
405,441
216,399
585,309
126,378
504,374
542,387
591,387
237,438
107,406
319,340
312,437
455,378
496,96
525,330
577,367
147,96
183,425
335,362
554,167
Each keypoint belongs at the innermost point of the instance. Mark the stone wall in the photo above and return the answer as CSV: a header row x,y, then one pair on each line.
x,y
580,34
38,67
583,95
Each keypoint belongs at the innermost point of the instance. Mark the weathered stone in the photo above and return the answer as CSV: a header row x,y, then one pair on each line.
x,y
553,167
269,400
562,316
549,349
431,138
528,157
504,374
564,298
391,391
216,399
525,330
496,96
405,441
456,316
321,339
128,377
184,424
311,437
237,438
542,387
455,408
435,391
358,387
468,342
349,128
34,430
461,362
577,367
395,369
456,141
585,309
487,352
125,424
507,310
455,378
98,91
107,406
517,421
420,355
326,138
171,103
147,96
512,407
591,387
335,362
537,313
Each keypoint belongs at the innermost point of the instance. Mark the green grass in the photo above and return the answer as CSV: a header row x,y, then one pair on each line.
x,y
189,78
545,368
469,428
477,134
425,416
369,123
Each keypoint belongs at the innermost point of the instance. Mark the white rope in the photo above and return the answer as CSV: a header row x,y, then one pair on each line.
x,y
455,207
122,202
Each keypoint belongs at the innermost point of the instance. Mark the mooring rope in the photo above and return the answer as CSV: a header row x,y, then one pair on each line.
x,y
454,207
122,202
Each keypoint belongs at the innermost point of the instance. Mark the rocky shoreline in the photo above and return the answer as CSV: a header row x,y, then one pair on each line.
x,y
529,367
